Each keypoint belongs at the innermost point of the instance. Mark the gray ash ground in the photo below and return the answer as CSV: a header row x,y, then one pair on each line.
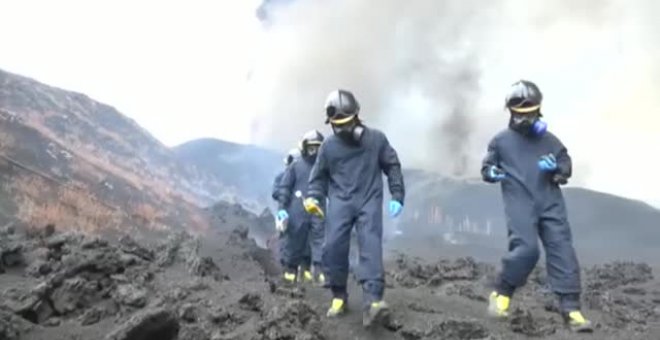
x,y
217,287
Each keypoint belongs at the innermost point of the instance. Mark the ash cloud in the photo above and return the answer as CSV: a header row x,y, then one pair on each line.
x,y
432,74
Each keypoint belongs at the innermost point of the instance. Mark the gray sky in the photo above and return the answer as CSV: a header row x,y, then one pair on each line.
x,y
180,69
177,67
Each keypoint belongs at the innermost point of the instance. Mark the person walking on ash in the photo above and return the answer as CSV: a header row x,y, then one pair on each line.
x,y
273,243
303,237
348,171
531,163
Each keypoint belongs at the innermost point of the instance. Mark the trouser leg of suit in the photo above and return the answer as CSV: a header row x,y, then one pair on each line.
x,y
371,273
294,248
316,239
561,260
306,258
339,222
353,252
523,251
353,257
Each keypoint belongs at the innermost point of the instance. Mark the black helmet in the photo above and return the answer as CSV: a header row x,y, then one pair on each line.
x,y
341,106
524,97
312,137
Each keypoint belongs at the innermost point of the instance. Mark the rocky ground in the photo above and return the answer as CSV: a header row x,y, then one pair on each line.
x,y
70,286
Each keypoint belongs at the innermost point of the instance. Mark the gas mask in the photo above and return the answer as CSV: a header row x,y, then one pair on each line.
x,y
350,132
310,152
528,123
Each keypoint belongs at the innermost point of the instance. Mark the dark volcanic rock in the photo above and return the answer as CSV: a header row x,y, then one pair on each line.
x,y
204,266
91,316
131,295
79,274
94,242
464,268
616,274
169,251
74,293
239,235
188,313
130,246
220,315
83,281
251,302
18,300
635,291
413,272
11,326
451,329
412,334
459,330
39,268
53,322
295,320
468,291
57,242
622,311
418,307
525,323
193,332
181,247
151,324
11,248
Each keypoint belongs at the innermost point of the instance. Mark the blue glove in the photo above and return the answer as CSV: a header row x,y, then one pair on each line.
x,y
548,163
395,208
282,215
495,173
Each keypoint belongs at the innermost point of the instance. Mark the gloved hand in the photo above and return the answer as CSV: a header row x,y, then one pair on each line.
x,y
495,173
548,163
395,208
282,215
312,206
281,220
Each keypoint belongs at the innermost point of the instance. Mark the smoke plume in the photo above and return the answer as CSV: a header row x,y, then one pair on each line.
x,y
432,74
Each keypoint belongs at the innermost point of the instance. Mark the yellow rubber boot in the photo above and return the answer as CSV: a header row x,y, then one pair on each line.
x,y
289,278
578,323
498,305
377,313
307,276
320,279
337,308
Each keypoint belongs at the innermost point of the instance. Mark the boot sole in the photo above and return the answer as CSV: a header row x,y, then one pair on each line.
x,y
334,316
493,314
588,328
380,318
340,314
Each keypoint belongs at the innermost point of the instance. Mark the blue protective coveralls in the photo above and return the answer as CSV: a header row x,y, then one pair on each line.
x,y
303,238
350,175
534,207
276,184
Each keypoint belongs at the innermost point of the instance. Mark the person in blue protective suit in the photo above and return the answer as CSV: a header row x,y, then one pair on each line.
x,y
290,157
304,233
348,171
280,223
531,163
